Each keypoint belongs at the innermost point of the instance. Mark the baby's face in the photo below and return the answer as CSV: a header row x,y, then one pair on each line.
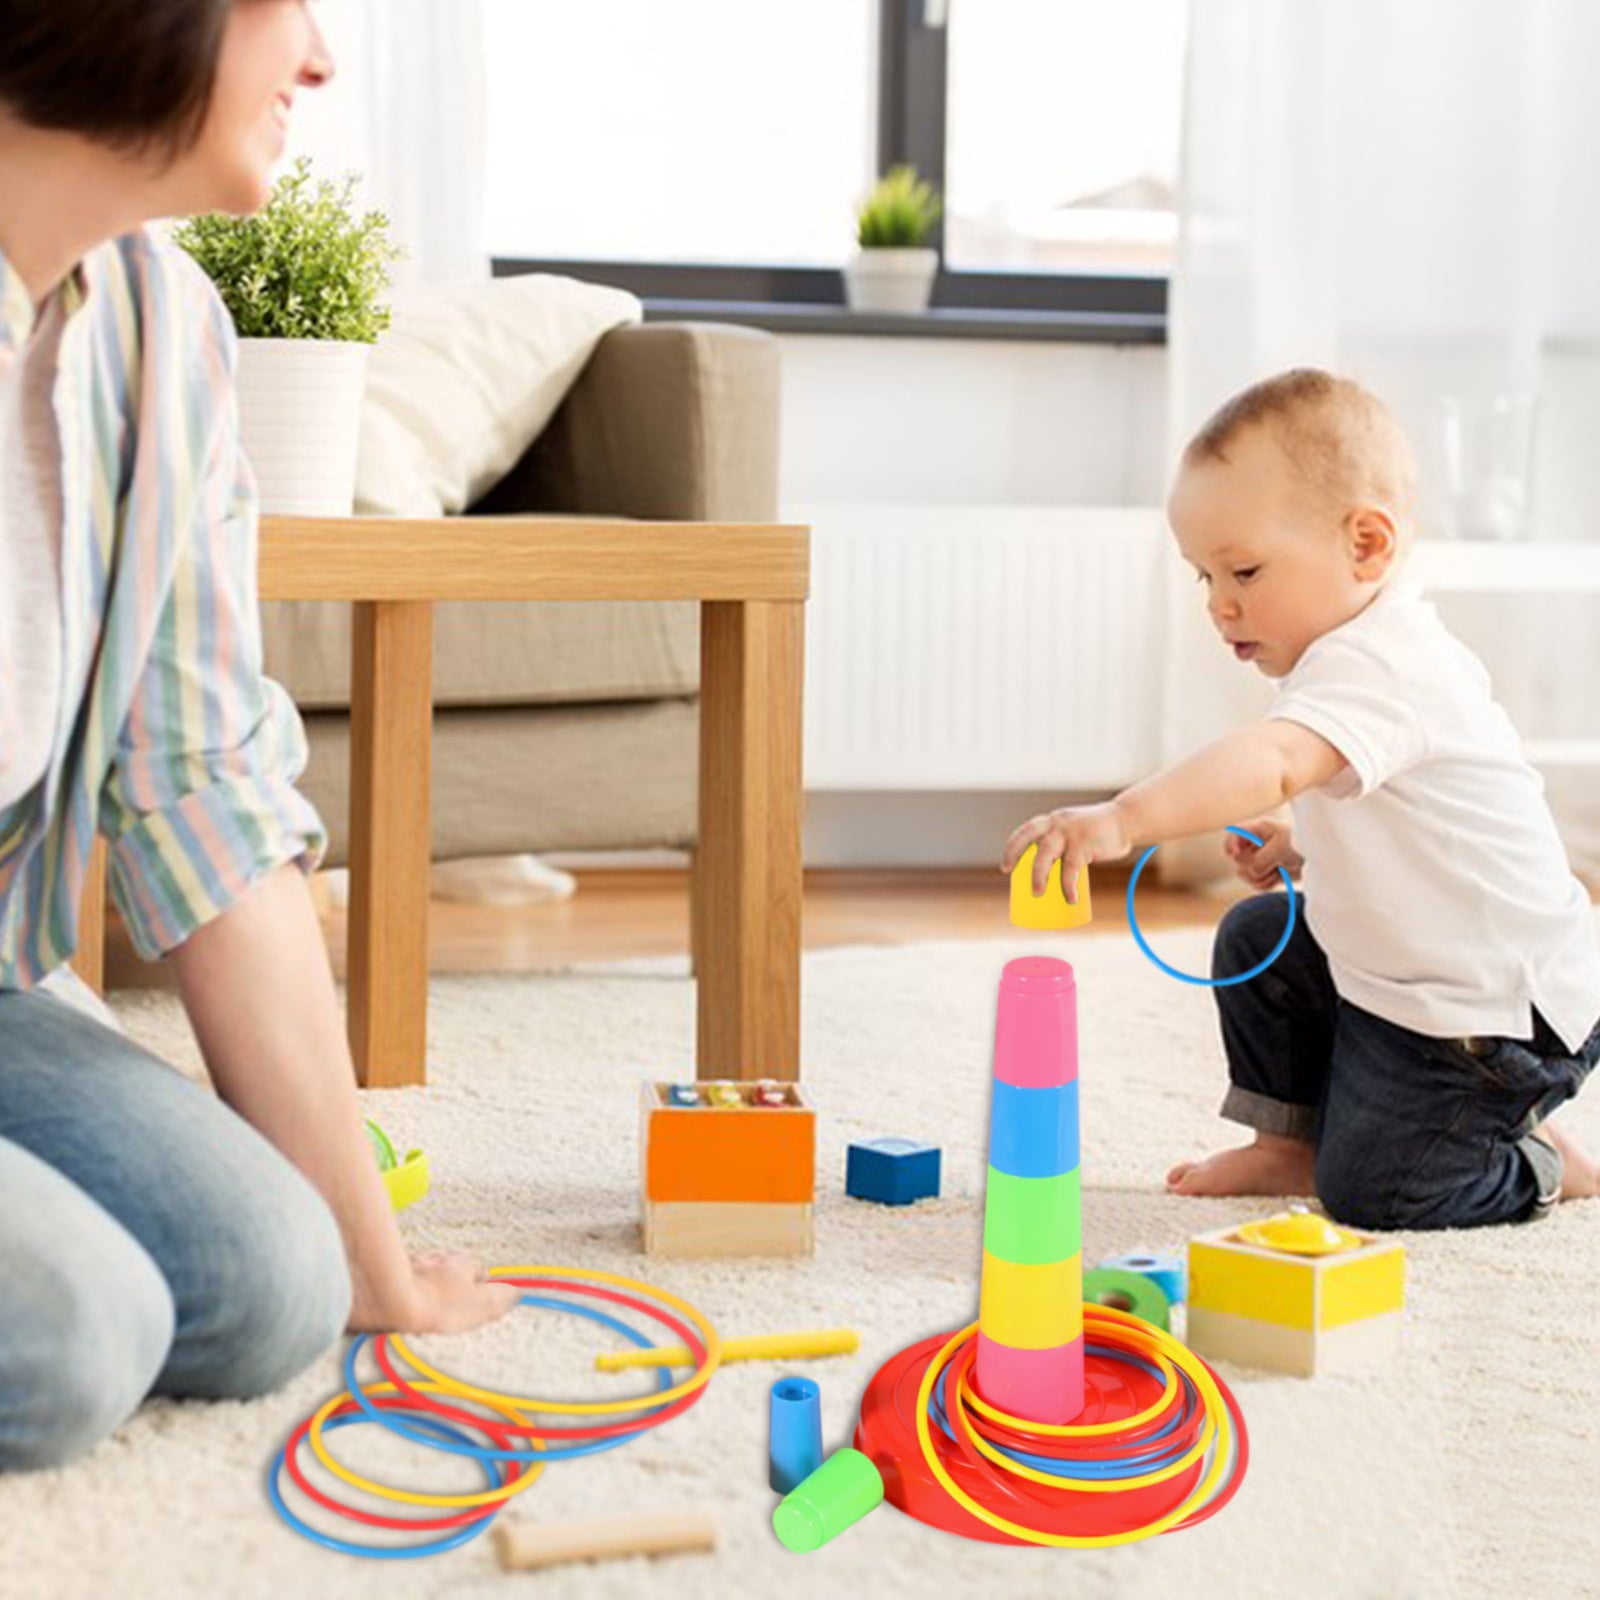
x,y
1278,569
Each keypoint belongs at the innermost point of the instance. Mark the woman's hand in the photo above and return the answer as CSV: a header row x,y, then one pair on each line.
x,y
1258,864
449,1293
458,1293
1074,835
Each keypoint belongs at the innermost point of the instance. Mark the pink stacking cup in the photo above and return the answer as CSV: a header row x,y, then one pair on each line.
x,y
1036,1024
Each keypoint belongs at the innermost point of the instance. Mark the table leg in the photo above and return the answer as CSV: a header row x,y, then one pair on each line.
x,y
747,888
89,959
391,718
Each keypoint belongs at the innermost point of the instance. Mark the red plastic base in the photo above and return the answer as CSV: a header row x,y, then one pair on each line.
x,y
1113,1390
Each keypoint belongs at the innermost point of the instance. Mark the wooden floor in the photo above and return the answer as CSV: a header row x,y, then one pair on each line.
x,y
619,915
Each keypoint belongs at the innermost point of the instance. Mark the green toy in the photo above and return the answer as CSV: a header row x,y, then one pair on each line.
x,y
1128,1291
839,1493
406,1181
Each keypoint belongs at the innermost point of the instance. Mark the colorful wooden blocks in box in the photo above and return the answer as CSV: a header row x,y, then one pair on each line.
x,y
1296,1293
731,1174
892,1171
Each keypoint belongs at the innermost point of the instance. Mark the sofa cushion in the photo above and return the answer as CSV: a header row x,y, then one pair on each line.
x,y
619,777
465,378
502,652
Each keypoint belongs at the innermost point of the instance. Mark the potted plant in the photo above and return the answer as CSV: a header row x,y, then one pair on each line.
x,y
303,279
894,269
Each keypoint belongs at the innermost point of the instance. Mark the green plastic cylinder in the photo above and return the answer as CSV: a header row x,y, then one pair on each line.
x,y
839,1493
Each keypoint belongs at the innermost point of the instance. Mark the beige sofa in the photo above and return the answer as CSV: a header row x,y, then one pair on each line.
x,y
571,726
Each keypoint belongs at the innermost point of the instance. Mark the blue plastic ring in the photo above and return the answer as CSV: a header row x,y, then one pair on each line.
x,y
380,1552
1189,977
566,1452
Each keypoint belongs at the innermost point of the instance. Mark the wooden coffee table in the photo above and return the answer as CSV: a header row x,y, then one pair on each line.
x,y
751,581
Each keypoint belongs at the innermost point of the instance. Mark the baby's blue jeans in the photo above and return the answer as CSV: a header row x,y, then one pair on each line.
x,y
151,1241
1411,1131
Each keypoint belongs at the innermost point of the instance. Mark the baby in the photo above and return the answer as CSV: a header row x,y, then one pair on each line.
x,y
1440,994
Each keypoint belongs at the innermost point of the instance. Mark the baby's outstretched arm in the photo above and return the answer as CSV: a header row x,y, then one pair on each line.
x,y
1242,774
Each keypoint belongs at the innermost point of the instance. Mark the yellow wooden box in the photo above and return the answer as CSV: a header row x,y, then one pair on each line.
x,y
1287,1312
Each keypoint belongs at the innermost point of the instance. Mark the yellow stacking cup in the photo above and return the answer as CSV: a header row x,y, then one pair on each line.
x,y
1050,909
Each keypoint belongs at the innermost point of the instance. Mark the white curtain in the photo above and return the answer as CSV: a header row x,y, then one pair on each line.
x,y
405,111
1408,191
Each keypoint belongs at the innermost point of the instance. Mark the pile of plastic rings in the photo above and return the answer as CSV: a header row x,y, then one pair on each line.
x,y
1158,1445
422,1404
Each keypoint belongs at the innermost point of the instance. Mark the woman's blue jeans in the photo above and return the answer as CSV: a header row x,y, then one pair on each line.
x,y
151,1241
1411,1131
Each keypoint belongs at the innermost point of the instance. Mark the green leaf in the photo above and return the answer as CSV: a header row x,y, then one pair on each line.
x,y
899,213
303,267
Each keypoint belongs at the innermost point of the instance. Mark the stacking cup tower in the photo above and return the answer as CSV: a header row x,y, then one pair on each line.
x,y
1030,1312
1047,1421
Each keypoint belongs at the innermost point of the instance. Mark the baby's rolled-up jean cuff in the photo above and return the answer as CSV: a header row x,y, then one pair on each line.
x,y
1266,1115
1545,1162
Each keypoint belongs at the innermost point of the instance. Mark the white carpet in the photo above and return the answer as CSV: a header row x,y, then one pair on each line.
x,y
1468,1469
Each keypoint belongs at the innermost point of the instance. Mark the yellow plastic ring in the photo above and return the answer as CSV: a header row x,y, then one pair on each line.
x,y
407,1496
1020,1469
1216,1408
1143,1344
1068,1430
588,1408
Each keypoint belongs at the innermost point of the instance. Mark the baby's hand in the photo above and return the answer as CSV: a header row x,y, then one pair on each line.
x,y
1074,835
1258,865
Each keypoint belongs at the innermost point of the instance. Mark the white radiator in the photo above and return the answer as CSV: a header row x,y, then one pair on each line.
x,y
982,647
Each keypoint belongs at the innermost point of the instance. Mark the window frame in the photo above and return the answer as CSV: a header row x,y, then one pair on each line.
x,y
913,75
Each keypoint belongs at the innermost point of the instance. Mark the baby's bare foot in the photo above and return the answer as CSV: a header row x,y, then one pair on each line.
x,y
1580,1172
1272,1165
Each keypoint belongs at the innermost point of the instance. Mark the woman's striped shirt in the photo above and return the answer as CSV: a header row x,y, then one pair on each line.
x,y
168,738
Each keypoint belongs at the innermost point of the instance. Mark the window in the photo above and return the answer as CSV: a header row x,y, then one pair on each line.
x,y
709,131
1062,135
716,149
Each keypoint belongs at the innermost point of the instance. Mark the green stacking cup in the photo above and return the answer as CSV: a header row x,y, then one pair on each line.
x,y
840,1492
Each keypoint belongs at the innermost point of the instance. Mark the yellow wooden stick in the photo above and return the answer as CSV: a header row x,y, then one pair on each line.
x,y
763,1347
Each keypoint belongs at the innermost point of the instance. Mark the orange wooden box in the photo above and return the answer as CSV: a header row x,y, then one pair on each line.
x,y
745,1152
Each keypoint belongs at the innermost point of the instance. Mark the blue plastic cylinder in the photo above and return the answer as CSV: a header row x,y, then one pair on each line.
x,y
795,1433
1170,1273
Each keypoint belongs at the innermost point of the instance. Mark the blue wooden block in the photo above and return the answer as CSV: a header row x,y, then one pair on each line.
x,y
892,1171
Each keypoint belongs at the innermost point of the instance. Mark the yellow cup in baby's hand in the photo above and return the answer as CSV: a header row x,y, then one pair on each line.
x,y
1052,908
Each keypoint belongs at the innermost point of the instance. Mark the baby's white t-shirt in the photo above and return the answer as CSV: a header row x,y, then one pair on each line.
x,y
1435,881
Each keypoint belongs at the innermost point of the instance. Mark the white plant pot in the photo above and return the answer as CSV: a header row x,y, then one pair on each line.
x,y
890,280
300,422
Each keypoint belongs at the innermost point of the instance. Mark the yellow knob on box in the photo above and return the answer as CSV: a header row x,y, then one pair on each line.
x,y
1051,909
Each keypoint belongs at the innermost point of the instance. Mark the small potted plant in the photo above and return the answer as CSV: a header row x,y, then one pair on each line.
x,y
303,279
894,269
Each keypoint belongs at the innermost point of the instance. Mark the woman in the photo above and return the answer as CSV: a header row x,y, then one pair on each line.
x,y
155,1238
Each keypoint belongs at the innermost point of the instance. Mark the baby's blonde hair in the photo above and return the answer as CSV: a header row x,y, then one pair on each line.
x,y
1341,440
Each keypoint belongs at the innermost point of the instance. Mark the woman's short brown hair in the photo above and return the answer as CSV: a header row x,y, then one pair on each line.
x,y
133,74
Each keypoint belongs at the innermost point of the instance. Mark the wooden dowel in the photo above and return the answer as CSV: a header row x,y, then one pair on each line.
x,y
532,1544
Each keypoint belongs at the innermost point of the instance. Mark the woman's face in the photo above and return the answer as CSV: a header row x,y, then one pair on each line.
x,y
270,50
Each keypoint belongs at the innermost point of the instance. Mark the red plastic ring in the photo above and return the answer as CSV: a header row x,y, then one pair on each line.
x,y
380,1347
291,1460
